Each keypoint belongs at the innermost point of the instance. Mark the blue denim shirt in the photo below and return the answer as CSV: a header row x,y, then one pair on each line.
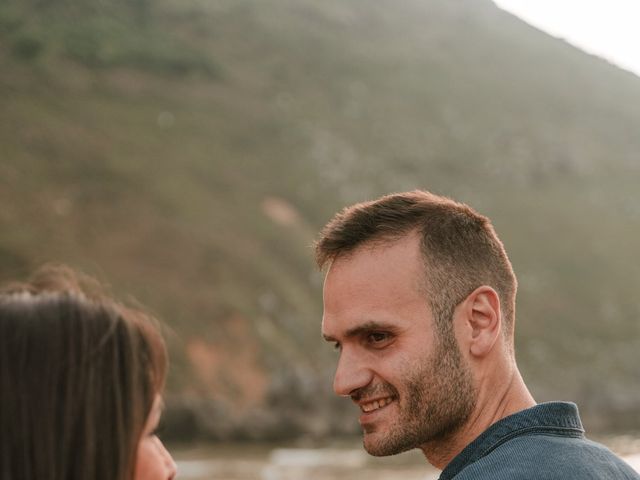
x,y
543,442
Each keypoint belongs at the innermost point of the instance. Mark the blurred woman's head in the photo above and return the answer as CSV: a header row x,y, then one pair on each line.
x,y
80,384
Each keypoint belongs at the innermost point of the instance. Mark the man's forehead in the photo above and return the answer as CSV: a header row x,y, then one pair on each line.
x,y
377,266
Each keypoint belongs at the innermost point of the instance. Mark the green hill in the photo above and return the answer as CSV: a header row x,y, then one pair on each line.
x,y
189,151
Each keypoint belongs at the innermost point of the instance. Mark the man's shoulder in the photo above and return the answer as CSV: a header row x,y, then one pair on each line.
x,y
547,456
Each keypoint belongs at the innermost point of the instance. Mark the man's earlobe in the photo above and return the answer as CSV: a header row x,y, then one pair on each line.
x,y
484,320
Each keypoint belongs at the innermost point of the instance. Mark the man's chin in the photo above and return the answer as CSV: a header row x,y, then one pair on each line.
x,y
380,445
373,448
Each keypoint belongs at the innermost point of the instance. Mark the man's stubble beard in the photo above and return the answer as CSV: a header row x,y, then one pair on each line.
x,y
439,396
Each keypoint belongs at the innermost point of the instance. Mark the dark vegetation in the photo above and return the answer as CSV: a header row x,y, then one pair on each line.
x,y
187,151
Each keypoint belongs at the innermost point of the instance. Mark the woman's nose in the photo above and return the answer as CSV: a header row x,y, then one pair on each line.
x,y
170,464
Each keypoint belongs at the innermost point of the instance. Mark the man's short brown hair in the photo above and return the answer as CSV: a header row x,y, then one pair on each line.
x,y
460,247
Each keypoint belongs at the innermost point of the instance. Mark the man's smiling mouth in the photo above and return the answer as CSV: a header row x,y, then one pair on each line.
x,y
376,404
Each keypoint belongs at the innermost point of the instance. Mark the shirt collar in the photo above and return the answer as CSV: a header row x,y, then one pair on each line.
x,y
561,418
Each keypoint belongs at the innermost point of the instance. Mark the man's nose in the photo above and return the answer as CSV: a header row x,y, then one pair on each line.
x,y
351,373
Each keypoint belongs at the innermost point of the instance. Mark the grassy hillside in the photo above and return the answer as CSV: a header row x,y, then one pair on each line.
x,y
187,152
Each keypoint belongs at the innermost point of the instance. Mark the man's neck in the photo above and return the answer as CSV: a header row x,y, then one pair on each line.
x,y
495,402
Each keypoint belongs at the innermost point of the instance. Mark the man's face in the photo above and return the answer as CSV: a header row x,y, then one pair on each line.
x,y
411,386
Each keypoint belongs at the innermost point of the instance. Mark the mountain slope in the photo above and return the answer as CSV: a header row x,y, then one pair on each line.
x,y
188,153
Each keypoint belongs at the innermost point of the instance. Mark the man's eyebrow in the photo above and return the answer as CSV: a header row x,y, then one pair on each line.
x,y
363,328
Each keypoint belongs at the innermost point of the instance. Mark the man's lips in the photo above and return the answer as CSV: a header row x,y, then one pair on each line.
x,y
368,406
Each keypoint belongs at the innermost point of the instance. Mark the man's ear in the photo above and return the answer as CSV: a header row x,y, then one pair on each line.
x,y
480,315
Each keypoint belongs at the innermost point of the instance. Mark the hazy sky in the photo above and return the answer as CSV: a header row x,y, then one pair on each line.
x,y
608,28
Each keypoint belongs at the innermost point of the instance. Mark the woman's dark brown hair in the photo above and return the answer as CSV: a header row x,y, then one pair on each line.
x,y
78,377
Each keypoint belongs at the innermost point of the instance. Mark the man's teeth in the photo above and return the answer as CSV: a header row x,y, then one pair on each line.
x,y
375,405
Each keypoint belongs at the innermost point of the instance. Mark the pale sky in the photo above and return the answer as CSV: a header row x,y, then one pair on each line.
x,y
607,28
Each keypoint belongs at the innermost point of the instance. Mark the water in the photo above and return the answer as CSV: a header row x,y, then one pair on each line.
x,y
344,461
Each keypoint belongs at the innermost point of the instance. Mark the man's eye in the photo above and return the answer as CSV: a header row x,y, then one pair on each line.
x,y
377,338
337,346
